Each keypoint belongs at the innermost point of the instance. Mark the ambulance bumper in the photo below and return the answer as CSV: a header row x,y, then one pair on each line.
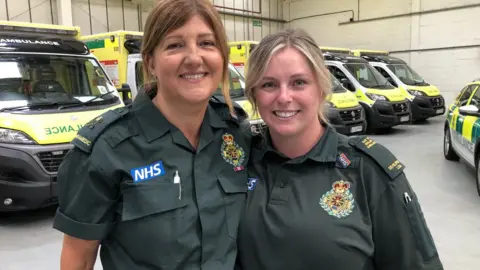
x,y
347,121
426,107
385,114
28,175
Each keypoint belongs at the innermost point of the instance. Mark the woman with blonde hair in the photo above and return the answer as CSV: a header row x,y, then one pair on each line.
x,y
161,184
318,199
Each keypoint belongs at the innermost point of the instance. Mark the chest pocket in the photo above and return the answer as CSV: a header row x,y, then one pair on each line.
x,y
143,201
234,188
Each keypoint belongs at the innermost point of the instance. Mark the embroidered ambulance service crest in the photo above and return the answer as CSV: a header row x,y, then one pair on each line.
x,y
232,152
338,202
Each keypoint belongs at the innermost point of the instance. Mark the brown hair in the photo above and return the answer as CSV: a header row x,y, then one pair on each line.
x,y
271,44
169,15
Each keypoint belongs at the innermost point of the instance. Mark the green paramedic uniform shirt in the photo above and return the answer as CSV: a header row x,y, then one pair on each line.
x,y
119,185
345,205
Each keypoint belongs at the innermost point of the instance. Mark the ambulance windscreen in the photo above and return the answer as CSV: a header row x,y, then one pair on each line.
x,y
407,75
48,79
368,76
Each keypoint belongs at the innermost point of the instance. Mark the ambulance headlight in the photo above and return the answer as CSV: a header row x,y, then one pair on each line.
x,y
14,136
416,92
330,104
376,97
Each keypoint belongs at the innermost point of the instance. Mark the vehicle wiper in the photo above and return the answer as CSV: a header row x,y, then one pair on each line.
x,y
34,105
90,101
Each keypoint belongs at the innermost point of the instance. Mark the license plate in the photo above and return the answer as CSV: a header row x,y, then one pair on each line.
x,y
440,111
356,129
404,118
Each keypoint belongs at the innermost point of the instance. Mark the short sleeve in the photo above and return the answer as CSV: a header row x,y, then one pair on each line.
x,y
402,238
87,198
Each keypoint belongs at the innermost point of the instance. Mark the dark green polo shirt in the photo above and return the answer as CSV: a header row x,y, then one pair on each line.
x,y
345,205
119,185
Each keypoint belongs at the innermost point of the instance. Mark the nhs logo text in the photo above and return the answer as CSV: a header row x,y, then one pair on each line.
x,y
147,172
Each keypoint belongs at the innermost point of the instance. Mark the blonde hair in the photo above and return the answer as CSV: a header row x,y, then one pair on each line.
x,y
169,15
271,44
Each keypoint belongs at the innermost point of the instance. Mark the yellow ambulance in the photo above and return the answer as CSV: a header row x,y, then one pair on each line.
x,y
385,105
240,53
50,86
119,54
425,98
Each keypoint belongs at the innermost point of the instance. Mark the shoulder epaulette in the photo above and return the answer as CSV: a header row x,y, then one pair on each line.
x,y
89,133
380,154
221,107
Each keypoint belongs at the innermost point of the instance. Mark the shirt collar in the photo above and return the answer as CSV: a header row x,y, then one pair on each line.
x,y
324,151
153,123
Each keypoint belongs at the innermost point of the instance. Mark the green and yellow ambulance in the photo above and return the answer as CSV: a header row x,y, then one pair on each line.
x,y
119,54
462,129
425,98
50,86
385,105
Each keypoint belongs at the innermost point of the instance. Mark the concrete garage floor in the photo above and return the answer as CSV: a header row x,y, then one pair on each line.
x,y
446,190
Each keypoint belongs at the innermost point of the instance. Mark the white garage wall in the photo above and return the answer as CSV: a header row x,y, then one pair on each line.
x,y
443,46
37,11
241,28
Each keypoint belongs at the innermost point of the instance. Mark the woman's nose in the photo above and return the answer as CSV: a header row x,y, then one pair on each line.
x,y
193,56
284,95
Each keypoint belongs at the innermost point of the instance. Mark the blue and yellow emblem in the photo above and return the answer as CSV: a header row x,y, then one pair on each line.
x,y
338,202
232,152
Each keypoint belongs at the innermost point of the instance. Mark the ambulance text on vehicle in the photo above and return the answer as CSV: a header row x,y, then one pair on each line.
x,y
50,86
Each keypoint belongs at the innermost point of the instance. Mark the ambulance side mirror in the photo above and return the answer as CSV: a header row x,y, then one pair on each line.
x,y
346,83
469,110
126,93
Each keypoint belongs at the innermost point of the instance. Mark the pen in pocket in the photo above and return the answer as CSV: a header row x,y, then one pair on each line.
x,y
177,180
406,198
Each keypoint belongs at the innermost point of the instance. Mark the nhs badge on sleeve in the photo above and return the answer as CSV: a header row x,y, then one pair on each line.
x,y
147,172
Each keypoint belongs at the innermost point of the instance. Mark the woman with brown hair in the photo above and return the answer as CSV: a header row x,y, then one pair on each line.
x,y
161,184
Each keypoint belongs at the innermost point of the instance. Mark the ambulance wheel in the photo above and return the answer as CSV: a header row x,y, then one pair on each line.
x,y
448,151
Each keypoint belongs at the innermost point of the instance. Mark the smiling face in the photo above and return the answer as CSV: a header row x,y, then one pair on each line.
x,y
187,63
288,96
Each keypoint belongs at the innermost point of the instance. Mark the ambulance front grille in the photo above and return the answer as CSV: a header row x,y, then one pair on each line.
x,y
436,101
351,115
400,107
51,160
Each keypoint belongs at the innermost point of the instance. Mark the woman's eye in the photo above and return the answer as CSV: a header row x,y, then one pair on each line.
x,y
173,46
207,43
299,83
268,85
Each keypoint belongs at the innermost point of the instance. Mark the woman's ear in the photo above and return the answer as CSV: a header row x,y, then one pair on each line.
x,y
150,65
